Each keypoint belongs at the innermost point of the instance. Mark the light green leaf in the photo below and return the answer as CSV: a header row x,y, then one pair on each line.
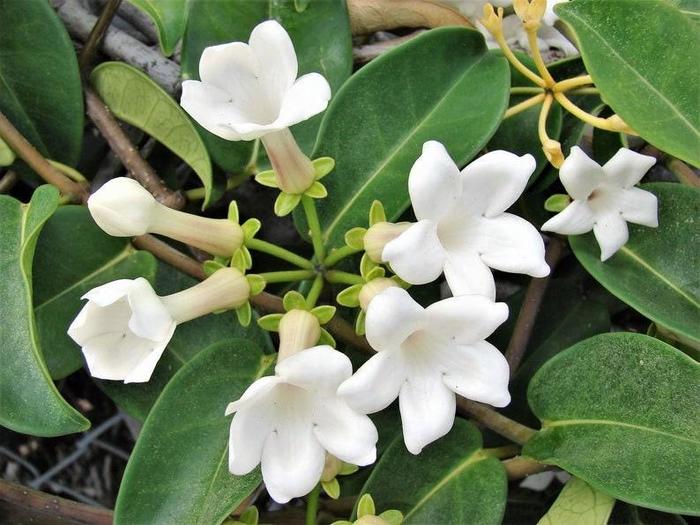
x,y
321,37
31,404
7,156
40,90
656,271
451,482
442,85
134,98
579,504
178,471
620,411
169,16
73,256
621,43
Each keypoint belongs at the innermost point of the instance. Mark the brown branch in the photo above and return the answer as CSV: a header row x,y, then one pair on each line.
x,y
491,419
8,181
120,144
19,504
370,16
519,467
38,163
531,307
94,40
684,173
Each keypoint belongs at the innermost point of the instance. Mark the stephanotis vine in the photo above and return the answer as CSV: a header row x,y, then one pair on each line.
x,y
307,423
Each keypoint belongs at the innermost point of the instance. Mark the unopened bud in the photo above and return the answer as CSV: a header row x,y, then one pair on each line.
x,y
493,21
298,330
294,171
373,288
530,12
379,235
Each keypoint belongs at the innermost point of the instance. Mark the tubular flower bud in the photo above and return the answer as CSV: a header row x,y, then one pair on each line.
x,y
123,208
294,171
372,289
378,235
298,330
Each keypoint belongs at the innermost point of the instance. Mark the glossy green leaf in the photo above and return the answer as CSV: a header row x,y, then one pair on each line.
x,y
656,271
31,404
134,98
169,17
189,340
40,90
451,482
321,37
443,85
642,73
579,504
73,256
620,411
178,471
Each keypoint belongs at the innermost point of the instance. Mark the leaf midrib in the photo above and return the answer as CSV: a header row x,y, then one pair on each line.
x,y
609,422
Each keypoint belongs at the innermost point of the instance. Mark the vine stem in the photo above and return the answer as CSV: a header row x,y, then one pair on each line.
x,y
312,505
276,251
337,255
314,227
287,276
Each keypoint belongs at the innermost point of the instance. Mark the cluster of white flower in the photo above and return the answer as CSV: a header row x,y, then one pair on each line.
x,y
314,408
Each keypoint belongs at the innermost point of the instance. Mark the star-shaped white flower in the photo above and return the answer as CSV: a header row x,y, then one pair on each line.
x,y
249,90
462,226
426,356
287,423
604,198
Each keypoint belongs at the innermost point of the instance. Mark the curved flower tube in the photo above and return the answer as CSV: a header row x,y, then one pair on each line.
x,y
427,356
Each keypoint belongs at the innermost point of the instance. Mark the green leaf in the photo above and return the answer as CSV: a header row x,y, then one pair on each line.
x,y
451,482
579,504
620,44
620,412
134,98
442,85
7,156
31,404
656,271
73,256
690,8
178,471
321,37
189,340
40,91
169,16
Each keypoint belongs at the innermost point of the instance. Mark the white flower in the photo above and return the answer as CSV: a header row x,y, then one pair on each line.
x,y
426,356
124,327
249,90
605,198
462,228
287,423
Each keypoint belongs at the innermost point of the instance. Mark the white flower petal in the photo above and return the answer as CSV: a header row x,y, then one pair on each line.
x,y
493,182
254,393
94,320
376,384
467,274
143,371
465,319
537,482
477,371
416,255
640,206
580,174
427,408
149,317
308,96
511,244
349,436
276,58
391,317
249,430
292,458
434,183
611,233
318,369
122,207
109,293
575,219
230,67
626,168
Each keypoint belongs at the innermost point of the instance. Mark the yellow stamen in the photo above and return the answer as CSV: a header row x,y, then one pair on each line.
x,y
613,123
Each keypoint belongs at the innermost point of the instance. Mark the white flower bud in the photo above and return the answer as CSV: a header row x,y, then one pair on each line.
x,y
122,207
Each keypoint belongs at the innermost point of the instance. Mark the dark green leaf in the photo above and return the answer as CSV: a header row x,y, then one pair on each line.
x,y
40,90
656,271
134,98
621,44
442,85
451,482
178,471
169,16
620,411
73,256
30,403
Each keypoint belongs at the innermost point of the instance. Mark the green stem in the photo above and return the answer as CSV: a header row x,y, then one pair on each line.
x,y
506,451
312,505
287,276
272,249
315,291
314,226
336,276
337,255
